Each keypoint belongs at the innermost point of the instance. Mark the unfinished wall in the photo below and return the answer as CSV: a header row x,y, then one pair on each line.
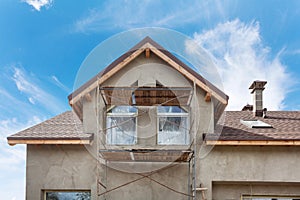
x,y
74,167
277,165
59,167
147,72
235,190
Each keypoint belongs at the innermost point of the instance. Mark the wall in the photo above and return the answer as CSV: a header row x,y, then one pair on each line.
x,y
146,72
224,166
59,167
74,166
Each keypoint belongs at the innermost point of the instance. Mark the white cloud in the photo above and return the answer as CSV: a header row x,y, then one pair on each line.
x,y
17,114
12,159
241,57
38,4
30,86
134,14
60,84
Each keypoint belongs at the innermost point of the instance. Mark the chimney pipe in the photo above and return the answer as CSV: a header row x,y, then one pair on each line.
x,y
257,91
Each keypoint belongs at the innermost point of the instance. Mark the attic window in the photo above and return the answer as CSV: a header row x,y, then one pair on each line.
x,y
121,125
173,125
255,124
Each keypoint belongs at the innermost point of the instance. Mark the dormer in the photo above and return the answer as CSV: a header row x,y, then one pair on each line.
x,y
147,99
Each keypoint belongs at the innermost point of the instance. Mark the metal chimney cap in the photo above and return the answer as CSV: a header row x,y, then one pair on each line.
x,y
257,85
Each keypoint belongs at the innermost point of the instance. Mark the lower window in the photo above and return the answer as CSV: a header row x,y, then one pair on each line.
x,y
67,195
270,198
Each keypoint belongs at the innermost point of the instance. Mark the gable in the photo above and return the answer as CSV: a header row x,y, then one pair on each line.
x,y
147,46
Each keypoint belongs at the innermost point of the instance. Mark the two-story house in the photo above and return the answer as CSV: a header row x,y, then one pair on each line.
x,y
149,127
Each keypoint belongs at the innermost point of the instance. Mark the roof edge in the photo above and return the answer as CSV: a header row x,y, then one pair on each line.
x,y
146,40
48,141
253,142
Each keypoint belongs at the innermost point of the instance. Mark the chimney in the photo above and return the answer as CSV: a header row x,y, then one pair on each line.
x,y
257,91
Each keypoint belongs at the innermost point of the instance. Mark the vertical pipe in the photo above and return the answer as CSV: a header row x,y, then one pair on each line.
x,y
189,181
195,142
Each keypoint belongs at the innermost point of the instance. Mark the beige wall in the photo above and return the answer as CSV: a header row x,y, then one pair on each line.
x,y
235,190
274,165
59,167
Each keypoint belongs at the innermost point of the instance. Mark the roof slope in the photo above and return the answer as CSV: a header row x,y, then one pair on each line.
x,y
286,127
65,128
147,43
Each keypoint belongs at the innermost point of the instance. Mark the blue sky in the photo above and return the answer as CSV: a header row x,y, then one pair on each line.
x,y
44,42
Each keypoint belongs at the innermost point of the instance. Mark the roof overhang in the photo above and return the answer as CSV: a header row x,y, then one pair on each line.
x,y
147,45
147,96
50,140
253,142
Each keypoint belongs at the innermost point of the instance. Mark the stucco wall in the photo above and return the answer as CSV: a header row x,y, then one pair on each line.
x,y
235,190
271,164
59,167
74,167
147,72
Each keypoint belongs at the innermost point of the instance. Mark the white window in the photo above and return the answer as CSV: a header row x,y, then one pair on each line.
x,y
173,125
121,125
67,195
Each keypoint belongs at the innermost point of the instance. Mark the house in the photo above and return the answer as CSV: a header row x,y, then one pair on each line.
x,y
149,127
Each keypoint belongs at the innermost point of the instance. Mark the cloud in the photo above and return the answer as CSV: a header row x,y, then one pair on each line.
x,y
38,4
134,14
12,159
293,52
241,57
30,86
58,83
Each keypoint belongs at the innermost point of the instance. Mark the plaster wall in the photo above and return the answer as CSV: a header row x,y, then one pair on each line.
x,y
270,164
74,167
235,190
59,167
147,72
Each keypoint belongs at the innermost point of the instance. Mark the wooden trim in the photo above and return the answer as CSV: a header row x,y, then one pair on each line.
x,y
164,57
207,97
147,53
110,73
88,97
187,74
253,142
78,141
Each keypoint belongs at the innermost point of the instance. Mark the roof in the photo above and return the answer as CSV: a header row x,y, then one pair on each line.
x,y
285,129
146,44
65,128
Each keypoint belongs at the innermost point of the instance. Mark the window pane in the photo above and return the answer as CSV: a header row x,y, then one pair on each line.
x,y
173,130
121,125
121,130
170,109
68,195
123,109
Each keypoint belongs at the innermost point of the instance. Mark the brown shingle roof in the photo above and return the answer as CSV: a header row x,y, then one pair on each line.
x,y
286,127
65,126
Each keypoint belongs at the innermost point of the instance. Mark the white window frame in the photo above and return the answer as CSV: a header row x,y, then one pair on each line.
x,y
161,140
66,191
112,137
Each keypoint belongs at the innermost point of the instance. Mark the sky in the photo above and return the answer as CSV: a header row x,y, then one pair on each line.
x,y
43,43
